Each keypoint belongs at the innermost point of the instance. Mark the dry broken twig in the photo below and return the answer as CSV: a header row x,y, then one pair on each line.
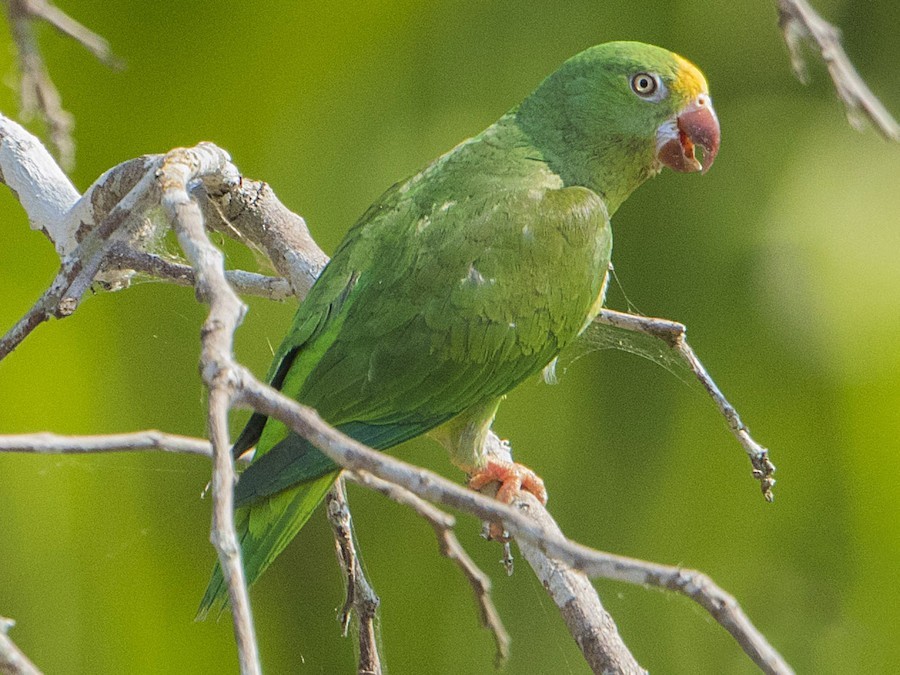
x,y
674,335
801,23
449,546
361,597
38,93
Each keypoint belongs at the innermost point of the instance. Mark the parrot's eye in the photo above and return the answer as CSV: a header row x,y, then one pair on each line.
x,y
644,84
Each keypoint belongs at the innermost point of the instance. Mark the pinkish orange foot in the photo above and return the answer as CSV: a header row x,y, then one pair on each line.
x,y
512,478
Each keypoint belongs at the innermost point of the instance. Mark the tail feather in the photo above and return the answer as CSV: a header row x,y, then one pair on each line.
x,y
265,529
278,492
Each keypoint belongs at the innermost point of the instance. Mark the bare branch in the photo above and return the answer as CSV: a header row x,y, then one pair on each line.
x,y
801,23
443,524
39,94
81,266
673,334
361,597
39,184
124,257
12,660
431,487
178,169
97,45
139,441
54,206
60,300
589,623
41,311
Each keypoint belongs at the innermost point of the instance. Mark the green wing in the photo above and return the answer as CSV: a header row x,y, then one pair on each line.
x,y
428,308
439,322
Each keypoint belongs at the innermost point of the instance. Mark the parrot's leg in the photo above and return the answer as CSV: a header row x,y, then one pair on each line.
x,y
464,437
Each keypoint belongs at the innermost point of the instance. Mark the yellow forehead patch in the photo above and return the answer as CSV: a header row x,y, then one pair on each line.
x,y
689,81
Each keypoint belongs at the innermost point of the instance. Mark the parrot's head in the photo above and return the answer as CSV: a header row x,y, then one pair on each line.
x,y
619,112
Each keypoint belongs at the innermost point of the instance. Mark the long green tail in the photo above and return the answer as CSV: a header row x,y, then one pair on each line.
x,y
281,488
265,529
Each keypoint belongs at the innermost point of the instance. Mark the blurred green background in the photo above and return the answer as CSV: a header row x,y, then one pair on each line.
x,y
782,261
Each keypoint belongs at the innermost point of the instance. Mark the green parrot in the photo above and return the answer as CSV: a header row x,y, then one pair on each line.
x,y
462,281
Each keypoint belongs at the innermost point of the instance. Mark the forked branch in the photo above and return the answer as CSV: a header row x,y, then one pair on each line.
x,y
443,523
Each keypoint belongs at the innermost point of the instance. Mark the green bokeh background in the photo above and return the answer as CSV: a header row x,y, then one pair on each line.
x,y
783,262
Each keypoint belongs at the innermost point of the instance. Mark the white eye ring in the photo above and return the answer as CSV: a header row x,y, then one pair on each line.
x,y
644,85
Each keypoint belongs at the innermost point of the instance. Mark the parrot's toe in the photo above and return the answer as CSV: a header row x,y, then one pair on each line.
x,y
512,478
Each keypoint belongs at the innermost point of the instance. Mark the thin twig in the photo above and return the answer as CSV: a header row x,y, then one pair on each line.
x,y
38,93
429,486
178,169
138,441
12,659
674,335
449,546
123,257
96,44
801,23
361,597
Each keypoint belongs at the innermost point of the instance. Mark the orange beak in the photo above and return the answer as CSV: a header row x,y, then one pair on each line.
x,y
696,125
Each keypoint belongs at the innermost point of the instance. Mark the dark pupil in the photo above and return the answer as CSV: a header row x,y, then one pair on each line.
x,y
643,84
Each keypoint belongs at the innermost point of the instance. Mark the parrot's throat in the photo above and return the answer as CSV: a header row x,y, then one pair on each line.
x,y
612,167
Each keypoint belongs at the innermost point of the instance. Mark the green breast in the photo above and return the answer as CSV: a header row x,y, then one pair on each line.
x,y
468,278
